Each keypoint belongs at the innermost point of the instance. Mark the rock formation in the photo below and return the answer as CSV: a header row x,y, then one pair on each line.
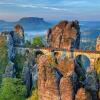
x,y
55,82
14,38
66,88
99,95
26,77
60,78
92,83
98,44
64,35
29,72
82,94
60,81
10,71
10,44
47,81
18,35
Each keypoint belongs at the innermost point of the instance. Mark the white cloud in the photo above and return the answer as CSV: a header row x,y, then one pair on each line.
x,y
1,3
27,6
34,6
41,6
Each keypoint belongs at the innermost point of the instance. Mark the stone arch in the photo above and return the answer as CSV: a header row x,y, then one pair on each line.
x,y
38,52
63,54
83,61
55,53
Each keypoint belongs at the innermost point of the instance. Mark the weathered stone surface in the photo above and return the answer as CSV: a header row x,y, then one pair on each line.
x,y
9,44
60,81
66,66
18,35
47,80
82,94
98,43
64,35
10,71
92,83
34,75
80,71
26,77
66,88
29,72
14,38
56,82
99,94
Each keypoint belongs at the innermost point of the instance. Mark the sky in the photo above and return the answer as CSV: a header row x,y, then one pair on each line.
x,y
12,10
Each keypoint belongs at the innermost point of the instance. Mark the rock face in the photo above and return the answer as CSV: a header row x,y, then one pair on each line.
x,y
60,80
53,83
64,35
99,95
92,83
14,38
10,44
98,43
29,72
26,77
34,75
47,86
10,71
66,88
82,94
18,35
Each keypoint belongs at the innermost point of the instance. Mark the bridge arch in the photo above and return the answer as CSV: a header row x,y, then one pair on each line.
x,y
83,61
38,52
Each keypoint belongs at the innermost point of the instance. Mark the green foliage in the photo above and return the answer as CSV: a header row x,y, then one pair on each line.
x,y
19,62
37,41
3,55
80,62
12,89
27,43
97,67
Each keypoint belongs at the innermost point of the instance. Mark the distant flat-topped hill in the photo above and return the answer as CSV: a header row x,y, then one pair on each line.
x,y
28,23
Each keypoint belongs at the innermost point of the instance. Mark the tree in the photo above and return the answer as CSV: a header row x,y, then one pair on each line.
x,y
97,67
37,42
12,89
3,56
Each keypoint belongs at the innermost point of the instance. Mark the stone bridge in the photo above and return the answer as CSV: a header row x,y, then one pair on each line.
x,y
93,56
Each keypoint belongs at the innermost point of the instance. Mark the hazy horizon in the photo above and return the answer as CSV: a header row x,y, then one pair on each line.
x,y
52,20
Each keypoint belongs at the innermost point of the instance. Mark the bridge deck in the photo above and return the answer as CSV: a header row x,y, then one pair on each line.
x,y
60,49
